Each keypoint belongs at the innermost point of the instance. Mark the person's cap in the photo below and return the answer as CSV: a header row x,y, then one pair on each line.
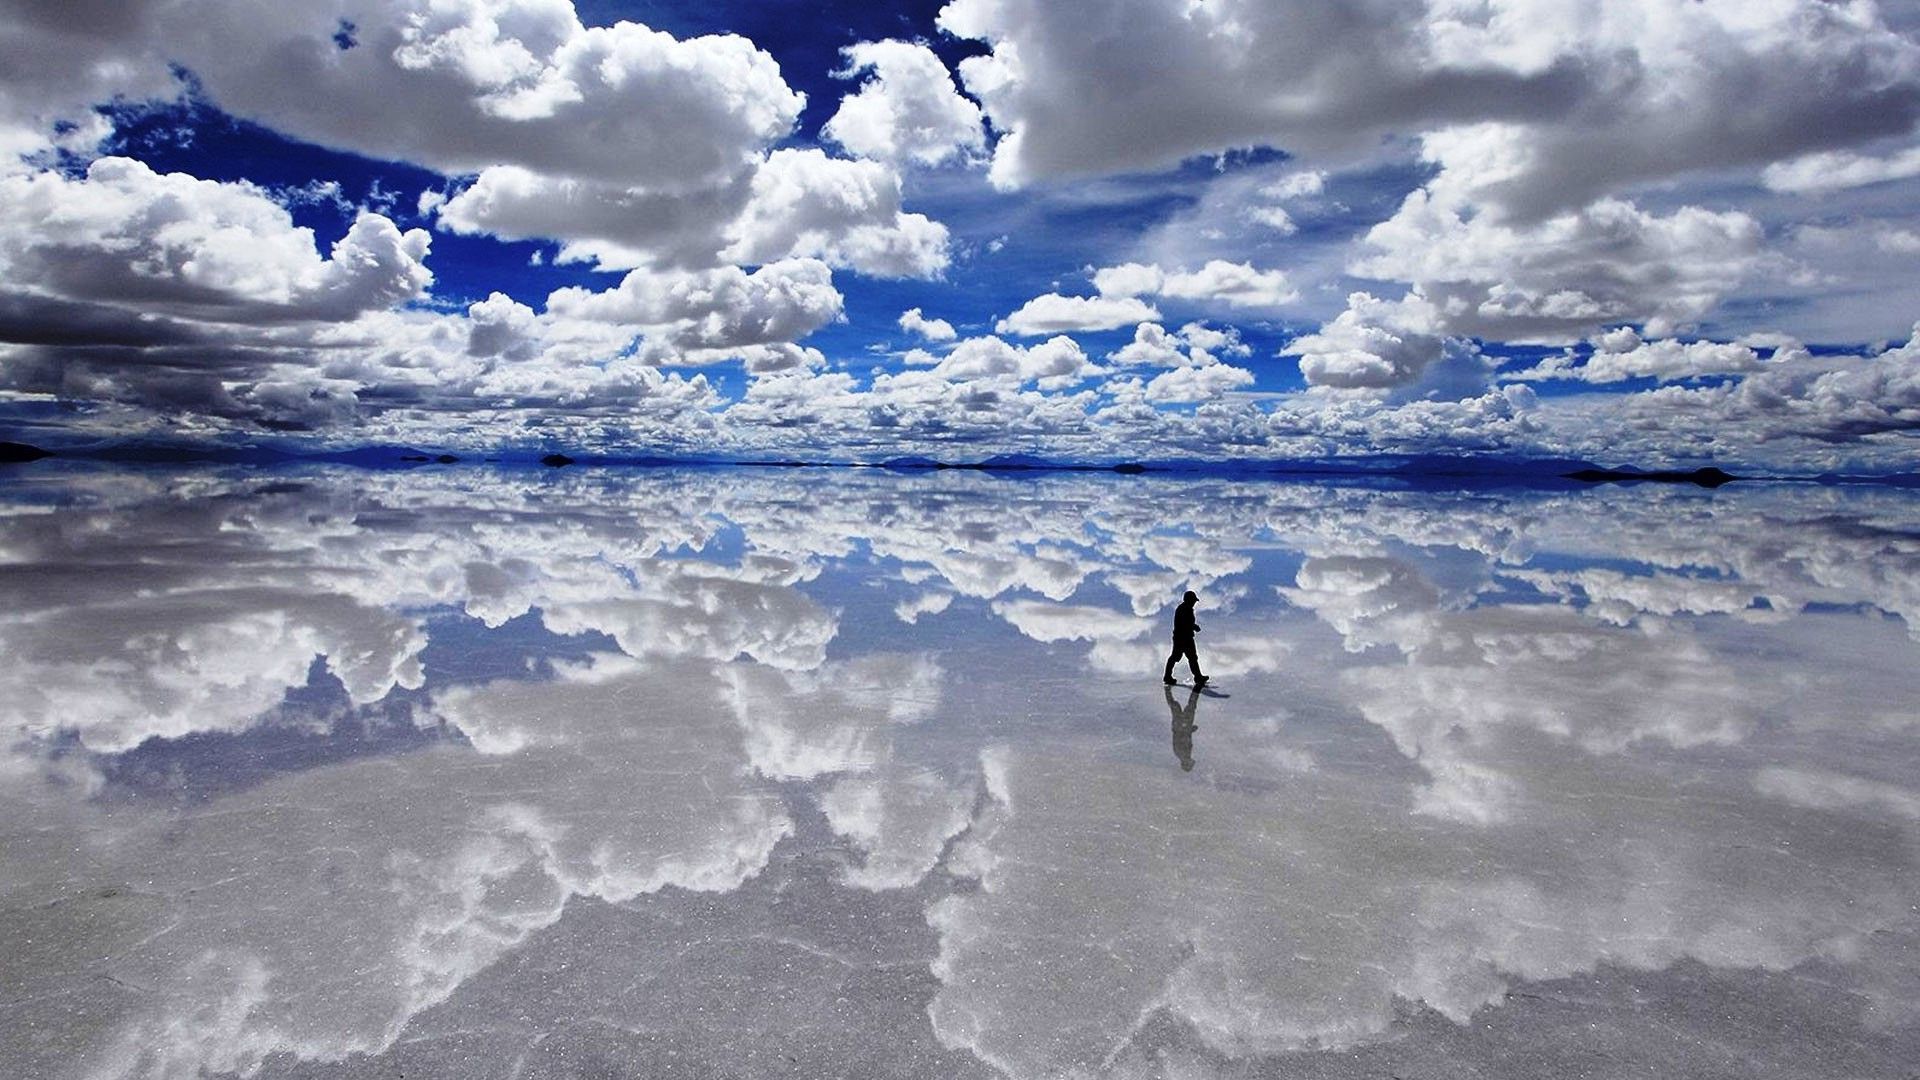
x,y
1191,595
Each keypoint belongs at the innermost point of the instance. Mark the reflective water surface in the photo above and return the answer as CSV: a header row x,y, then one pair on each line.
x,y
470,773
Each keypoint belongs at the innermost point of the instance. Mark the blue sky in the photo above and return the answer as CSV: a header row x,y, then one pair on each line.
x,y
1639,231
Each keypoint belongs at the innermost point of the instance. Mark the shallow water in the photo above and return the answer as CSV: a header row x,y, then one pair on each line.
x,y
469,773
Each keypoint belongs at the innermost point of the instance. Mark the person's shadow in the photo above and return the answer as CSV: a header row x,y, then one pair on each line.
x,y
1183,725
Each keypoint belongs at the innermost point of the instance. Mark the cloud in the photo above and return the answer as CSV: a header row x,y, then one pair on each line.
x,y
1191,384
1052,313
1153,345
174,245
715,309
1296,185
1565,105
805,204
610,226
1830,399
1623,355
906,110
1373,345
459,88
792,204
1045,622
1234,284
913,322
441,863
1055,363
1834,170
1565,276
911,610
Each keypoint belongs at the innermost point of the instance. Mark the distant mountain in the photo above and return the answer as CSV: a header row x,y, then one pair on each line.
x,y
19,451
1708,477
1016,462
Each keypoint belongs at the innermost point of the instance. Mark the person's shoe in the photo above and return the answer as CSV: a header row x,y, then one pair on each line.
x,y
1201,680
1170,680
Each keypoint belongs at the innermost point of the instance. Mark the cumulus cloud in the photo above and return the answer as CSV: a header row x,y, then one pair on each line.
x,y
463,87
1052,313
171,244
1623,355
1832,399
716,309
604,224
1057,362
1373,345
913,322
1187,385
1234,284
1155,345
906,110
805,204
1197,374
792,204
1565,276
1046,622
1578,103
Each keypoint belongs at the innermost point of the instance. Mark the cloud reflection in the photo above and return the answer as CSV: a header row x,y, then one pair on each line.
x,y
1475,740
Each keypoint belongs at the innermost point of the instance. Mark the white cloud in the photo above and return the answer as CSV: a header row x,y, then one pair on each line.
x,y
1186,385
1565,276
713,309
1197,374
461,87
1592,99
1296,185
1374,344
1235,284
1834,170
911,610
906,110
1052,313
805,204
913,322
1623,355
1045,622
1153,345
793,204
129,237
611,226
1275,218
1055,363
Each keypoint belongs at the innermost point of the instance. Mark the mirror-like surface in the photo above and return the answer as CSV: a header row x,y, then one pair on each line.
x,y
704,772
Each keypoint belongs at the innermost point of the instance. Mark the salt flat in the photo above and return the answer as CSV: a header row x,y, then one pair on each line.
x,y
471,773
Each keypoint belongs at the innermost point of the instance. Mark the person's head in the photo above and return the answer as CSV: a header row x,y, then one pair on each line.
x,y
1191,597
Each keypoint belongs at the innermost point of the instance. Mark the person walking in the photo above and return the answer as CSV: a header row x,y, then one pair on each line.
x,y
1183,630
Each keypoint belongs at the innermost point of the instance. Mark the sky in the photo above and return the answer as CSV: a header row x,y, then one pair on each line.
x,y
1653,232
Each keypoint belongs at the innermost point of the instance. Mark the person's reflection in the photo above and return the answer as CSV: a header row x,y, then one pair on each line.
x,y
1183,725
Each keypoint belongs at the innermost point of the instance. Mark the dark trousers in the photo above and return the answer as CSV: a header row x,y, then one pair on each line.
x,y
1183,646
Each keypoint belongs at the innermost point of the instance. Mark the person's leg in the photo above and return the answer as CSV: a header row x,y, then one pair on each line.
x,y
1193,660
1168,677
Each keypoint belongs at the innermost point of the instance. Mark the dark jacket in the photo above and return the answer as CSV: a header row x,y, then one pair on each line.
x,y
1183,625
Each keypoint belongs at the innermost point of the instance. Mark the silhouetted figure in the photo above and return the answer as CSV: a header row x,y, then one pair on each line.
x,y
1183,630
1183,726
